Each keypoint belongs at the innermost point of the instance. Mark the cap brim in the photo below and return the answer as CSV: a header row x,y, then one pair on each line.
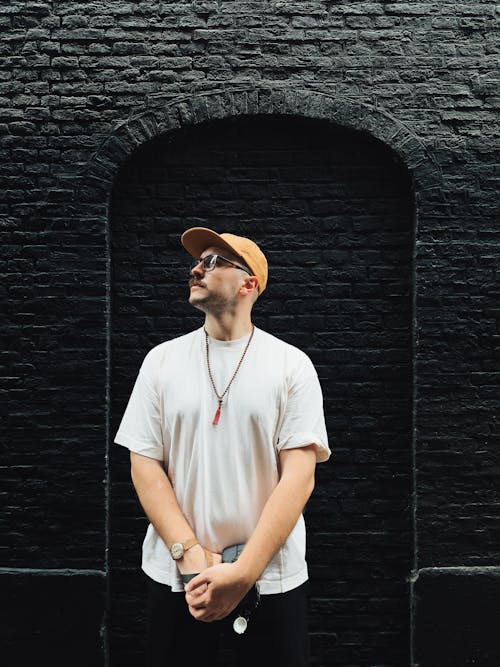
x,y
198,239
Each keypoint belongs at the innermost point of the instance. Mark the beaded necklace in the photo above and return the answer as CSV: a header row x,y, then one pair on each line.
x,y
220,397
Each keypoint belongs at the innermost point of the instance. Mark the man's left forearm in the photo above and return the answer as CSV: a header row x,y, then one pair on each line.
x,y
226,584
281,511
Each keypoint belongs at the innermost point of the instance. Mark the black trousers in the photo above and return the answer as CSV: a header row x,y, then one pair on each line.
x,y
276,636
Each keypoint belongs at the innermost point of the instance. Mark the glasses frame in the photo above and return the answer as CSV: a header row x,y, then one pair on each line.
x,y
212,258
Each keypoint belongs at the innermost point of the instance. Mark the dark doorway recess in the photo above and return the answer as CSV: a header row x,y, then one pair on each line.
x,y
333,210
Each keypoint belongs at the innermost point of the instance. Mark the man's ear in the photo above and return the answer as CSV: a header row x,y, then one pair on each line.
x,y
250,285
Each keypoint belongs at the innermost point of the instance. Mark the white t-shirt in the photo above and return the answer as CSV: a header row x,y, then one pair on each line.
x,y
223,474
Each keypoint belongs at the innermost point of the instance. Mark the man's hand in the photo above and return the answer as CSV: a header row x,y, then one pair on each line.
x,y
197,559
214,593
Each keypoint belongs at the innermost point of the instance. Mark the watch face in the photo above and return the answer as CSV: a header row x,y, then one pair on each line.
x,y
177,550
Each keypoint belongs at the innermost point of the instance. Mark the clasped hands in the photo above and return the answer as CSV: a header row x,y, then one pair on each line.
x,y
217,590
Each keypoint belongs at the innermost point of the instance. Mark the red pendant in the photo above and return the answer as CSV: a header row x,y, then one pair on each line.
x,y
216,417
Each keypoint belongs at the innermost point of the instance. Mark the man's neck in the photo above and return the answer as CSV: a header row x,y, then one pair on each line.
x,y
227,328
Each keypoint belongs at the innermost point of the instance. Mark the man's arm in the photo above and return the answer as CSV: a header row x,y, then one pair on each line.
x,y
229,582
158,500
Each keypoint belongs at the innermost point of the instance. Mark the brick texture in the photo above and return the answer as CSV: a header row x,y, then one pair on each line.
x,y
358,138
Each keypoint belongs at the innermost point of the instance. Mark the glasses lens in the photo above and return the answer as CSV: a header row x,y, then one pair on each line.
x,y
208,263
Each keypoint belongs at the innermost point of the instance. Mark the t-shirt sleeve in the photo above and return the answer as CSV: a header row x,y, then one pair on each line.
x,y
304,421
140,428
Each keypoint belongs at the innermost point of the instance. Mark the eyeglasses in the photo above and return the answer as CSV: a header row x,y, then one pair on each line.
x,y
211,261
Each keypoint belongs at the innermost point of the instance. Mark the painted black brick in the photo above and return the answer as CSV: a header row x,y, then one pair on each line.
x,y
57,616
457,617
71,72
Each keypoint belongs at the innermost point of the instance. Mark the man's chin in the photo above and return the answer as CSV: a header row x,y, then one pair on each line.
x,y
197,301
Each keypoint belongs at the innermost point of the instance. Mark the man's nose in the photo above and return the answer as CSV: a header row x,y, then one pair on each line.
x,y
197,269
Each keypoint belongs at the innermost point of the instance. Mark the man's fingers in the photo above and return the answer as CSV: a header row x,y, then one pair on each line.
x,y
198,598
202,614
197,603
197,592
195,582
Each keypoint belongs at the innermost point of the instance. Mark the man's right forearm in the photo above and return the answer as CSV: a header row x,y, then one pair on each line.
x,y
158,500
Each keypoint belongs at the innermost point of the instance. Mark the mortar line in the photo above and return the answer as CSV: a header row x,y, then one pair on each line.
x,y
459,569
106,615
414,345
49,571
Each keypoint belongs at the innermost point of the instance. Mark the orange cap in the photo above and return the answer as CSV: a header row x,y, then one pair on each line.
x,y
198,239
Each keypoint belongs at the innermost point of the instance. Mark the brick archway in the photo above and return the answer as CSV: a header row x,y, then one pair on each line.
x,y
166,113
367,321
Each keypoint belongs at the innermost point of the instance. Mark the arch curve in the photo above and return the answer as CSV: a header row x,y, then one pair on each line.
x,y
166,113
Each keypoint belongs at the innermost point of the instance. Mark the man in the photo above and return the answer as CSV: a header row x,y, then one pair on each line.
x,y
225,425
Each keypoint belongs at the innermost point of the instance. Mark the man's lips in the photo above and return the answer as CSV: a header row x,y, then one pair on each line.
x,y
191,285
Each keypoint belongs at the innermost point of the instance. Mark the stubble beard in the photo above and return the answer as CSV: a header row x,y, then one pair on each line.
x,y
212,304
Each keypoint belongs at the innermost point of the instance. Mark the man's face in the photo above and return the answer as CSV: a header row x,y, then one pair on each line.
x,y
216,291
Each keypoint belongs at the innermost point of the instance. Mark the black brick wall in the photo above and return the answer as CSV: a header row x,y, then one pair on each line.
x,y
377,138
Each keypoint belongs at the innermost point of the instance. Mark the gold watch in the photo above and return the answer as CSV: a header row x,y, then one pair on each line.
x,y
178,549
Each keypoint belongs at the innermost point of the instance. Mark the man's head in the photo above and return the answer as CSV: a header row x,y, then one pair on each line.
x,y
231,271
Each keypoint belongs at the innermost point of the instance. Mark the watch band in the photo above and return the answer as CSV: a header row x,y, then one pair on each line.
x,y
190,543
